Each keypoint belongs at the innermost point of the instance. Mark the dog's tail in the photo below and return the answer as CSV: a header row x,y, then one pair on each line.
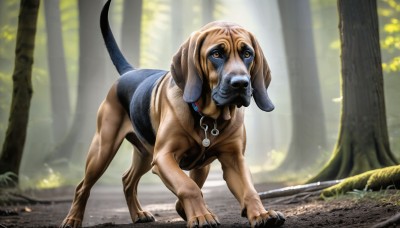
x,y
115,53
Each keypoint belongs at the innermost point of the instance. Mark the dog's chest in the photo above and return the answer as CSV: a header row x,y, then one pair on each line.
x,y
197,157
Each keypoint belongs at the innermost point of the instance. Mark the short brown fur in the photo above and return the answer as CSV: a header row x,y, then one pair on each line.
x,y
179,135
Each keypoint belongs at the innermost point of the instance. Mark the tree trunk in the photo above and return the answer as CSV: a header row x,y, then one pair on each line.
x,y
177,21
207,11
363,142
91,83
308,122
60,103
131,31
13,146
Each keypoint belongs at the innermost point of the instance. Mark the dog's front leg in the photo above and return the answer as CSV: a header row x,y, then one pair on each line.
x,y
187,191
238,178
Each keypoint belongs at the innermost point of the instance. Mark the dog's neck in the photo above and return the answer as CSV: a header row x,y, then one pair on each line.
x,y
226,112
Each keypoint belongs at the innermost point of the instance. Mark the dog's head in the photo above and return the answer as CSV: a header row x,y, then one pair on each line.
x,y
223,65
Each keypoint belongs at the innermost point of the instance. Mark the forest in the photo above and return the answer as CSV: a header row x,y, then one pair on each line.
x,y
335,85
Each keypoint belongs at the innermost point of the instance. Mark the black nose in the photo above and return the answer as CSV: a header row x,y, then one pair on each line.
x,y
239,82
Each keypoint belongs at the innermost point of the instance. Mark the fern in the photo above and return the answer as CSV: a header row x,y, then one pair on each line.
x,y
8,179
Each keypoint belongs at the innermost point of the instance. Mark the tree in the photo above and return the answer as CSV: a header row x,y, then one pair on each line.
x,y
91,83
13,146
60,103
178,22
308,128
131,31
207,11
363,142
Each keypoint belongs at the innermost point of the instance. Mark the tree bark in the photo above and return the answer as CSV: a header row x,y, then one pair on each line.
x,y
13,146
308,123
60,103
131,31
363,142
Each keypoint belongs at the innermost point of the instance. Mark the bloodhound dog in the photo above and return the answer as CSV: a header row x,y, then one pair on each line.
x,y
183,120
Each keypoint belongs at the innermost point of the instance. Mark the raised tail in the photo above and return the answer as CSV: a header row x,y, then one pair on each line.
x,y
115,53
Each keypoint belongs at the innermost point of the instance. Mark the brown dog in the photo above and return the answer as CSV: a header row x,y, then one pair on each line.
x,y
183,119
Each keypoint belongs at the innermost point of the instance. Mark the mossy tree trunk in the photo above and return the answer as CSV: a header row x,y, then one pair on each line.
x,y
378,179
13,146
363,142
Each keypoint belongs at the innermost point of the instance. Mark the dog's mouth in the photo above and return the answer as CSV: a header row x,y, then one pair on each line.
x,y
225,95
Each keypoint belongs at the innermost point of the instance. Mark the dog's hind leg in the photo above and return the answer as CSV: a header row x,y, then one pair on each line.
x,y
112,127
141,164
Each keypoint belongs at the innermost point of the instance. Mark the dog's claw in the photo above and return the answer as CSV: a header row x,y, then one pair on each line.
x,y
144,217
207,220
71,223
269,219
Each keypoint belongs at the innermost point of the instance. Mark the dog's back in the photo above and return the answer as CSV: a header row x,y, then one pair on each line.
x,y
134,90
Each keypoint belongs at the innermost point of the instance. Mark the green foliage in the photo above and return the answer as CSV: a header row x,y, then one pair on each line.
x,y
389,12
8,33
8,179
359,194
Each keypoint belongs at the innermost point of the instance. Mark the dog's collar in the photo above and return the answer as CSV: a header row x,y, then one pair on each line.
x,y
215,132
196,108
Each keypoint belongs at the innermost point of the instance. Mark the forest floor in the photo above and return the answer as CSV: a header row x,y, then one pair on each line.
x,y
107,208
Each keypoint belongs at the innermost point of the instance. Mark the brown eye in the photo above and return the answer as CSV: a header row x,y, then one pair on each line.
x,y
216,55
246,54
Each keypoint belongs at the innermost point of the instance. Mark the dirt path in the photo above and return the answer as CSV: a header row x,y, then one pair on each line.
x,y
107,208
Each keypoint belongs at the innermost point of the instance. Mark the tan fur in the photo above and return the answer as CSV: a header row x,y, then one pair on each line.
x,y
178,136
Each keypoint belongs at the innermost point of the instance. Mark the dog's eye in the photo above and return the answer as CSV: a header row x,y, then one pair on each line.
x,y
247,54
216,54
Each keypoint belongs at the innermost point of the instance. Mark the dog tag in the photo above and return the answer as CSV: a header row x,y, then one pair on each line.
x,y
206,142
215,131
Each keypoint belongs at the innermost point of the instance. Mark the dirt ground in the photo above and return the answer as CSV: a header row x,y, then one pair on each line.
x,y
107,208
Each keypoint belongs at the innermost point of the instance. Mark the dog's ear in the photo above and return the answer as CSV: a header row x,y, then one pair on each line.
x,y
186,70
260,78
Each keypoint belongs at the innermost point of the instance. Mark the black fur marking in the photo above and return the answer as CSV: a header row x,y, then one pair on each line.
x,y
115,54
134,92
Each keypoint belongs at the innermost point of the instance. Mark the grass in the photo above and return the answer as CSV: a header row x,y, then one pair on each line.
x,y
390,195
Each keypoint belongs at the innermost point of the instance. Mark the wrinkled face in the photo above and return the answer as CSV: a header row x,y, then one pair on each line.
x,y
227,57
222,65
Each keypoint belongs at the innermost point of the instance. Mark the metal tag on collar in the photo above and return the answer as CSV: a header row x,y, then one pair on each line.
x,y
215,131
206,142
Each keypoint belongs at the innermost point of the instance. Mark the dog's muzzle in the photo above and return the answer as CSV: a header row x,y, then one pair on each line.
x,y
235,90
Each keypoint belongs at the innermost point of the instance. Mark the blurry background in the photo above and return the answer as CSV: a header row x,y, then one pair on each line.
x,y
72,73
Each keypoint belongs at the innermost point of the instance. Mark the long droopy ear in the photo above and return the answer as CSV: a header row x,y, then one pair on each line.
x,y
260,78
186,70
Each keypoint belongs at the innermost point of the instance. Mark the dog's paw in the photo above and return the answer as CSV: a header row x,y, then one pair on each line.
x,y
143,217
269,218
71,223
208,220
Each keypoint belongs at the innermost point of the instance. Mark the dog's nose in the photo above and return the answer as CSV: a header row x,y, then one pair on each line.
x,y
239,82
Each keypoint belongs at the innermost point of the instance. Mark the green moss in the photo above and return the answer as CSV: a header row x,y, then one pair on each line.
x,y
374,179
